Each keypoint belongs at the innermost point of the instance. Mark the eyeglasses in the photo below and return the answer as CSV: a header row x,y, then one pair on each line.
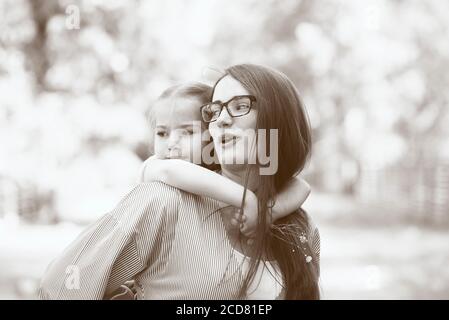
x,y
237,106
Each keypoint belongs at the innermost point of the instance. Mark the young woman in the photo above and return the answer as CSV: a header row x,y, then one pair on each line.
x,y
293,242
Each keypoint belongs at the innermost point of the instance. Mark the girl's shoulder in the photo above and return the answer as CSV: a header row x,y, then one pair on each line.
x,y
146,202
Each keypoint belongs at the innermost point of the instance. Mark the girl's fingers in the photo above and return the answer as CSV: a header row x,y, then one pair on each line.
x,y
247,232
240,217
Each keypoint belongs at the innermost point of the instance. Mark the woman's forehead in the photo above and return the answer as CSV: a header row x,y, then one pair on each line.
x,y
227,88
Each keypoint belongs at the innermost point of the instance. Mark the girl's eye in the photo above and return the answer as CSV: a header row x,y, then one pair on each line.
x,y
187,132
161,134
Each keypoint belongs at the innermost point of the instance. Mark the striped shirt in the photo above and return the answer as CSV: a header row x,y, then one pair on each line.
x,y
172,243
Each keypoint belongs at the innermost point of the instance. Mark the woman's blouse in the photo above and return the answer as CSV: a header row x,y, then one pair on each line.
x,y
172,243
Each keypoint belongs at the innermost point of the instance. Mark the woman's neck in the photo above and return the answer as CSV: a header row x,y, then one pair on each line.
x,y
238,175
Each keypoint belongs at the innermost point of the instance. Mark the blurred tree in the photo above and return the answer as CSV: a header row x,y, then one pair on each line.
x,y
36,50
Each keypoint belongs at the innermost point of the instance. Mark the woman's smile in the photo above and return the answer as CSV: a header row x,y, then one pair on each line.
x,y
228,139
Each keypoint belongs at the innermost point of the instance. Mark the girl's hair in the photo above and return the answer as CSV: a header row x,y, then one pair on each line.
x,y
191,89
197,90
279,107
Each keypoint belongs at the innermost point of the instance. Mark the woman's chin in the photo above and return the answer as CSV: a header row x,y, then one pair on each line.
x,y
235,157
230,159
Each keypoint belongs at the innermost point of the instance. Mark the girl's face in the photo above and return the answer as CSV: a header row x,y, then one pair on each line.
x,y
178,129
234,138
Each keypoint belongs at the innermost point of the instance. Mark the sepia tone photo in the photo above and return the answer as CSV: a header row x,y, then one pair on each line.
x,y
224,150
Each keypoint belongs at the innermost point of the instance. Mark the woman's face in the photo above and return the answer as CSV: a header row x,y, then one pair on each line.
x,y
234,138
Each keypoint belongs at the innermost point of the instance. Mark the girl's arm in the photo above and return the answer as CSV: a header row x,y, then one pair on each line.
x,y
198,180
287,201
143,167
290,198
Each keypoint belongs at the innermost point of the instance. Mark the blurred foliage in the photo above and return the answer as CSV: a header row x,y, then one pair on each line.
x,y
372,75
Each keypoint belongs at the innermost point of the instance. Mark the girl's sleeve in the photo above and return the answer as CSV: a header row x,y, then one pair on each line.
x,y
115,248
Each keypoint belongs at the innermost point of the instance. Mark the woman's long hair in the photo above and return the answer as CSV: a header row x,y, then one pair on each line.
x,y
279,107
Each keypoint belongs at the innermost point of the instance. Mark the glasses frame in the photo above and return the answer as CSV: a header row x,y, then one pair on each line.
x,y
252,99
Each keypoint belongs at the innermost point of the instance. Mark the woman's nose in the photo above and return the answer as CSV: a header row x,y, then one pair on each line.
x,y
225,119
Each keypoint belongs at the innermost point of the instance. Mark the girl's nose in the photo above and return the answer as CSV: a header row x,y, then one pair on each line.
x,y
173,141
225,119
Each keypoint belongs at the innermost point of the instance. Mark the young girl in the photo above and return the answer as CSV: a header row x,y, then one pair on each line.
x,y
178,133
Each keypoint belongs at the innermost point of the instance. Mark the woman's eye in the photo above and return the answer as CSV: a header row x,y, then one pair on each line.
x,y
161,134
242,107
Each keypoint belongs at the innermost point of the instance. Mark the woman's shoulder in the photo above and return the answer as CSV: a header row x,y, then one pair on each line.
x,y
304,219
307,226
157,187
311,227
154,197
313,236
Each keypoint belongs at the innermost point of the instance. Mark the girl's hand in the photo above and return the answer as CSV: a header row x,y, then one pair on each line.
x,y
247,221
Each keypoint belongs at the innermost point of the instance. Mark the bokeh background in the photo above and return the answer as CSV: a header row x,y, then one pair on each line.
x,y
373,75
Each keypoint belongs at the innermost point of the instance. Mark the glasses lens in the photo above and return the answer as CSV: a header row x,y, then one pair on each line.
x,y
240,106
210,112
